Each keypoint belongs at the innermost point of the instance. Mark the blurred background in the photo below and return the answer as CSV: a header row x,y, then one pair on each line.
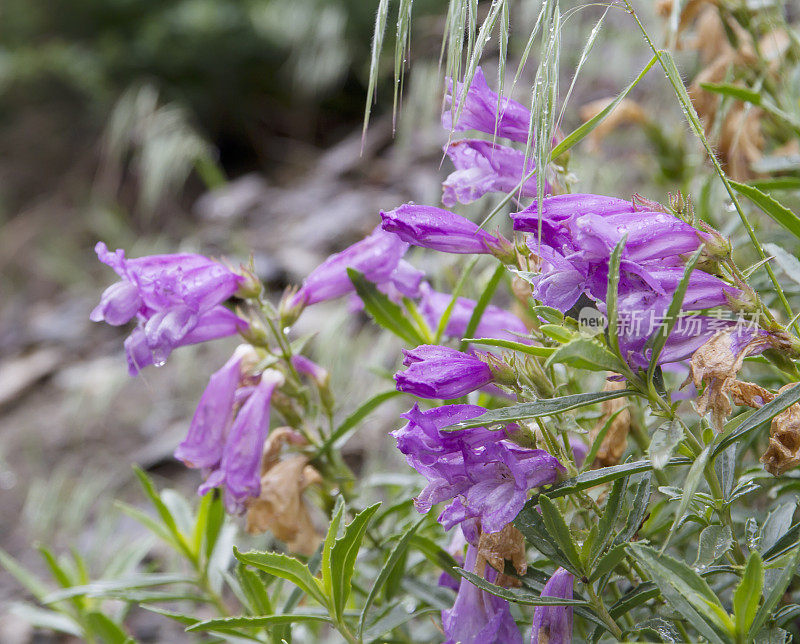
x,y
231,127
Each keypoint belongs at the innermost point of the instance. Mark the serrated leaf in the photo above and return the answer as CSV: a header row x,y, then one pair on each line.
x,y
663,443
747,595
538,409
685,591
343,558
608,562
285,567
642,489
254,591
382,310
529,522
715,541
225,624
690,485
607,522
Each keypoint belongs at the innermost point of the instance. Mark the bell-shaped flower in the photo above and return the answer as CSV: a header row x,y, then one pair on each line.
x,y
437,229
553,624
482,167
441,372
175,299
478,617
483,110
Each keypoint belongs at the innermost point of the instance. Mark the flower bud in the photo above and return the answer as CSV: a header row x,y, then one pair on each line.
x,y
250,288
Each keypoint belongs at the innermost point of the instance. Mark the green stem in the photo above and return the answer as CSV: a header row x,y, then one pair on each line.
x,y
599,607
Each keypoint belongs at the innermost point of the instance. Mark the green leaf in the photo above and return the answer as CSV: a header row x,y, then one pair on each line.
x,y
254,591
397,553
102,588
686,591
335,530
777,183
27,579
747,595
342,432
637,596
529,522
385,312
608,562
734,91
518,596
395,616
539,352
104,627
600,437
538,409
483,301
46,619
584,130
605,528
758,418
343,558
769,205
775,594
690,485
592,478
225,624
178,539
285,567
178,617
663,443
583,353
658,340
559,531
715,541
612,292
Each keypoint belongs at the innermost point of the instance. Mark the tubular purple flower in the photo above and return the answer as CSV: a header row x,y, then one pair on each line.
x,y
495,322
175,299
483,110
553,624
441,372
559,208
240,467
481,167
203,445
310,368
376,256
483,475
437,229
478,617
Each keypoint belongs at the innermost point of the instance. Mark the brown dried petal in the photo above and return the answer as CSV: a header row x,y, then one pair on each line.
x,y
783,452
749,393
616,439
280,507
496,548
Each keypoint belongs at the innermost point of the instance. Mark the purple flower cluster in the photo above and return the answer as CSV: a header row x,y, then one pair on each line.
x,y
483,475
578,234
175,299
228,430
478,617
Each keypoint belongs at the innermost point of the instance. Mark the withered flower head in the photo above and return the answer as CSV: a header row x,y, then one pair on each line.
x,y
783,452
497,547
280,507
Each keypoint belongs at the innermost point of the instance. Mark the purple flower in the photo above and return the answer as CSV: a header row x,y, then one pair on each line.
x,y
239,469
483,475
483,110
495,322
561,207
309,368
553,624
377,257
441,372
483,167
175,299
478,617
438,229
203,445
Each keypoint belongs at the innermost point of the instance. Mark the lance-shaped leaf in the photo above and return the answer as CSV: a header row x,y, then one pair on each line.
x,y
538,409
690,485
773,208
687,593
774,596
518,596
559,531
583,353
284,567
747,595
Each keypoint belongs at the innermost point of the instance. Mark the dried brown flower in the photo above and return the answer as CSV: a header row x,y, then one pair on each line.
x,y
616,439
783,452
280,507
715,365
496,548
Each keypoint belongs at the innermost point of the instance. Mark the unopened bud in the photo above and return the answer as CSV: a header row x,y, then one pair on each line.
x,y
502,249
502,372
716,246
290,307
255,333
251,287
746,301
